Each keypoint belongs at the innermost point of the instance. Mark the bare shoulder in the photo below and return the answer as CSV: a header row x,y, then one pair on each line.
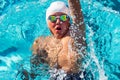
x,y
40,43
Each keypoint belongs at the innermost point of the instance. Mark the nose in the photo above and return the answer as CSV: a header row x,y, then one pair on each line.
x,y
58,21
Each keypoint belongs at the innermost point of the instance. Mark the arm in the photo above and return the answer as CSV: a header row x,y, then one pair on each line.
x,y
77,17
75,11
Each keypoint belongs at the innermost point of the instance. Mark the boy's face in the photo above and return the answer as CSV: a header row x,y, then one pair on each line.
x,y
58,27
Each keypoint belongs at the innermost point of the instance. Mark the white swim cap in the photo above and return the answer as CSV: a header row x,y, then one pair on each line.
x,y
57,6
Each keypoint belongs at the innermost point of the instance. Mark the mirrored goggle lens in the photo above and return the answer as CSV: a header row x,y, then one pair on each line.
x,y
63,17
52,18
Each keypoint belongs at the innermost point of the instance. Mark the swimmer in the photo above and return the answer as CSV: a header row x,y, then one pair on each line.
x,y
66,46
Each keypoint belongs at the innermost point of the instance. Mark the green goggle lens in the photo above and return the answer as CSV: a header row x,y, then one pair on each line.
x,y
54,18
63,17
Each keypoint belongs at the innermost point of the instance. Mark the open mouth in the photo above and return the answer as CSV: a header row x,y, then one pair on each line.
x,y
58,28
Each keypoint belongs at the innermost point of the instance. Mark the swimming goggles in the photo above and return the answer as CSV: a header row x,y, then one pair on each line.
x,y
62,18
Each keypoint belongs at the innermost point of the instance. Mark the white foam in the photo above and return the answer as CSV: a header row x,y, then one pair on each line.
x,y
93,56
3,68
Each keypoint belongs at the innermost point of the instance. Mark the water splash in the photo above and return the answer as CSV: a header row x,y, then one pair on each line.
x,y
94,58
104,21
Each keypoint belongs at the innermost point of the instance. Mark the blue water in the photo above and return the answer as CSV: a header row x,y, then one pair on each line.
x,y
21,21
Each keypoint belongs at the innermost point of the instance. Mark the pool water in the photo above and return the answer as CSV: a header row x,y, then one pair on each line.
x,y
21,21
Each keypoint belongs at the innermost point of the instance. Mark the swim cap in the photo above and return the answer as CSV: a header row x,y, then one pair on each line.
x,y
57,6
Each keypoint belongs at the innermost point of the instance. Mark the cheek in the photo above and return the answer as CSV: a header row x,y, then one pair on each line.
x,y
50,25
66,25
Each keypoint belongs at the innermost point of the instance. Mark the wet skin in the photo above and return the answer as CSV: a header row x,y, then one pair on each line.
x,y
59,47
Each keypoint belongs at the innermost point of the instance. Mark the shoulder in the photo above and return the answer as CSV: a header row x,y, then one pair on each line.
x,y
41,40
40,43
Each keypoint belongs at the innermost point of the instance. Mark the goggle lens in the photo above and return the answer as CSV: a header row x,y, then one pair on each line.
x,y
52,18
63,17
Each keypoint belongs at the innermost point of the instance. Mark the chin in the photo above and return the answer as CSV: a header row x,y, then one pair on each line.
x,y
58,36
